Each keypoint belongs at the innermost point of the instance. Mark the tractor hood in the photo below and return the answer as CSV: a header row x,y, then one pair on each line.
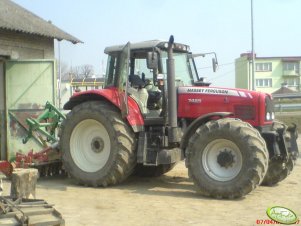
x,y
218,91
247,105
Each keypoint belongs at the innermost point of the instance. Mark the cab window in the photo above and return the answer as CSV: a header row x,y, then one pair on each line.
x,y
110,77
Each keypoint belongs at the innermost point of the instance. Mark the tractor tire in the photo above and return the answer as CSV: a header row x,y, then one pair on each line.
x,y
98,147
152,171
278,170
226,158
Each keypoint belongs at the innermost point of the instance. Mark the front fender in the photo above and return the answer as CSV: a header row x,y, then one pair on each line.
x,y
198,122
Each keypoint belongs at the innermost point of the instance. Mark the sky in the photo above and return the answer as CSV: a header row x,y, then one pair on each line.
x,y
222,26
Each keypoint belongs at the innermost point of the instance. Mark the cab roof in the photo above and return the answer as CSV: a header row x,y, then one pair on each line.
x,y
147,45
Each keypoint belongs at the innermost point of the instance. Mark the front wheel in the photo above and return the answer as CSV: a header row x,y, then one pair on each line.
x,y
226,158
278,170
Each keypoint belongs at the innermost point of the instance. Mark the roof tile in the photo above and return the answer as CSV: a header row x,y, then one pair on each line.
x,y
16,18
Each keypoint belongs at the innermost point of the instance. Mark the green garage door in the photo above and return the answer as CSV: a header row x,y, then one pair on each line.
x,y
29,84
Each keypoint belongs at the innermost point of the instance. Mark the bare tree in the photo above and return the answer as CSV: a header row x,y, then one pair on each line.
x,y
65,71
80,72
75,72
87,70
83,71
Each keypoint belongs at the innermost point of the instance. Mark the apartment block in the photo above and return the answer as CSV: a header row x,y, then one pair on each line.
x,y
271,73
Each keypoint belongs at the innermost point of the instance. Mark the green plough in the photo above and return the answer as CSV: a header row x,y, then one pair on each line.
x,y
44,129
45,125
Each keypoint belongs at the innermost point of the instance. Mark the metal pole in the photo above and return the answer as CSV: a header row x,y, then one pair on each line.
x,y
60,75
253,53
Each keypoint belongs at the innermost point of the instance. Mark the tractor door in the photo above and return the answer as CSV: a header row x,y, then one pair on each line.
x,y
122,82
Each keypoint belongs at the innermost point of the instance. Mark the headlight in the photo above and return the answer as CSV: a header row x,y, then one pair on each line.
x,y
269,108
268,116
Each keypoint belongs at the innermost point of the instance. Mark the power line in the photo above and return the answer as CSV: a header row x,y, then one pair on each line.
x,y
220,76
226,73
225,64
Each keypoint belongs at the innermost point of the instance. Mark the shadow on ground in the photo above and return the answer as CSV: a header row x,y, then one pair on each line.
x,y
159,186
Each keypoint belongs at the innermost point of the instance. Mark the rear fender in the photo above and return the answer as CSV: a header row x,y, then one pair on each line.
x,y
191,129
134,116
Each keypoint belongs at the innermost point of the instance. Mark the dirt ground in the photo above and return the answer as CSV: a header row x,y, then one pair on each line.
x,y
167,200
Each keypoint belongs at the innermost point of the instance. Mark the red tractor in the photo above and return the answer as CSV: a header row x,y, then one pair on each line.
x,y
155,111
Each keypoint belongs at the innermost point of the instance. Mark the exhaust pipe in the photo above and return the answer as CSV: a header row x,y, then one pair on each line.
x,y
173,130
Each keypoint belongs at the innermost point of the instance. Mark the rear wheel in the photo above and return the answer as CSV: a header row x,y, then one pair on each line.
x,y
98,147
153,171
226,158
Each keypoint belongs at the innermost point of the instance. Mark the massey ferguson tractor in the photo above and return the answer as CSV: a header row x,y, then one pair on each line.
x,y
155,111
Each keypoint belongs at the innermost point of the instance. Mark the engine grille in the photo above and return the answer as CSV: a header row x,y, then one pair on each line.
x,y
244,112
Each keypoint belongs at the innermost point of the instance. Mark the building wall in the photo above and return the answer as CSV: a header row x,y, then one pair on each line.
x,y
242,73
25,46
275,75
267,80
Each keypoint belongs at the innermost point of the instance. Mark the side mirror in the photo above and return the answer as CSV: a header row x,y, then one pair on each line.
x,y
214,64
152,60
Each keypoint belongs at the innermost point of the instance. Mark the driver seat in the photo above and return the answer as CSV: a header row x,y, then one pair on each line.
x,y
138,92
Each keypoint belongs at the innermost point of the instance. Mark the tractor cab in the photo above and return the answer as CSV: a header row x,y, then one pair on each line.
x,y
140,69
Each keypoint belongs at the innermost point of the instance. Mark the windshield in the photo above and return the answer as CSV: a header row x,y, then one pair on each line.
x,y
185,74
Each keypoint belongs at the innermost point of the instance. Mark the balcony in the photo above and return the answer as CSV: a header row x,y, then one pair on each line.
x,y
290,73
